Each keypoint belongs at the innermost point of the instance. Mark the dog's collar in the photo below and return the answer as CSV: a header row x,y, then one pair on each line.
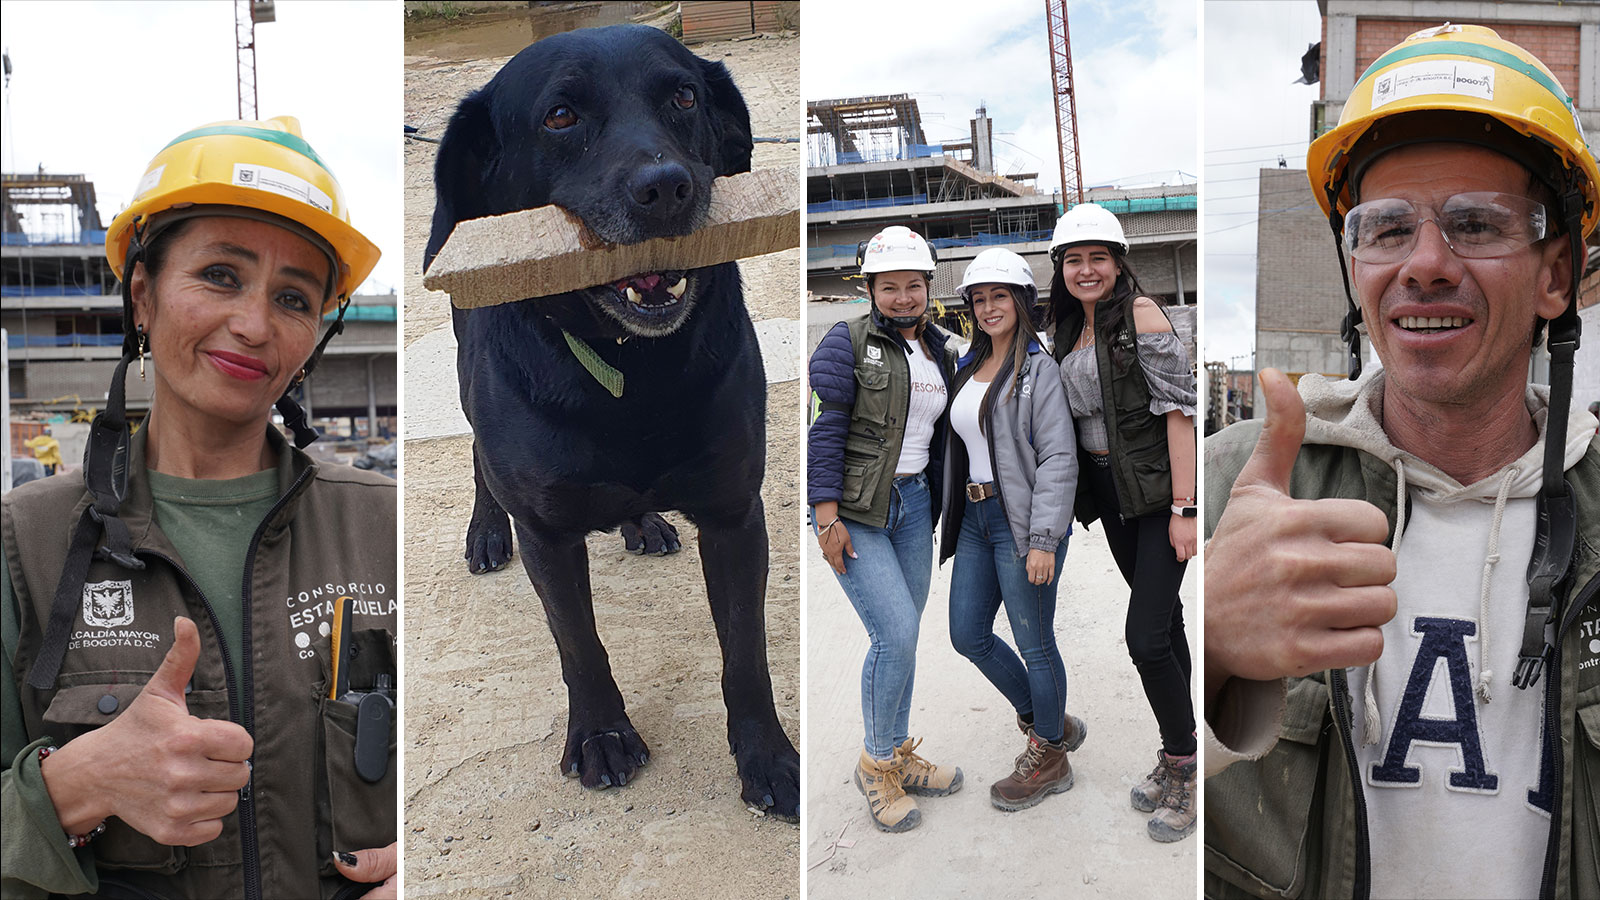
x,y
603,372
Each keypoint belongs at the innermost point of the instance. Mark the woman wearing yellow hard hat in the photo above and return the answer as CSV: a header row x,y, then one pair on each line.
x,y
199,679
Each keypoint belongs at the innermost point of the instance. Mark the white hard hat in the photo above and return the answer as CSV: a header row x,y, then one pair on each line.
x,y
998,265
1087,223
895,249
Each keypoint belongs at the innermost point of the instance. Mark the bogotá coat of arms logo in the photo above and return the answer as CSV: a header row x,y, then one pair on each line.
x,y
108,603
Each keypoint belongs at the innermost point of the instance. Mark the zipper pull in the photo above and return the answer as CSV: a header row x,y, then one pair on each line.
x,y
244,792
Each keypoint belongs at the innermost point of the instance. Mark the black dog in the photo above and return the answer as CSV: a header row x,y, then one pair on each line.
x,y
626,128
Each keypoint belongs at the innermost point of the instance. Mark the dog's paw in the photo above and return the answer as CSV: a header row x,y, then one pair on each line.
x,y
488,542
602,758
770,779
650,534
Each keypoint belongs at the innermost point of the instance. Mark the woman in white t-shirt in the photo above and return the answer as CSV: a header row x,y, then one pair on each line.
x,y
1012,475
879,386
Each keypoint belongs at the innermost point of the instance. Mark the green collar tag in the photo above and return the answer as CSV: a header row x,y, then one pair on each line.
x,y
603,372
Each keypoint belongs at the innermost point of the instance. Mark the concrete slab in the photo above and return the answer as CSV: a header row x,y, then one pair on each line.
x,y
433,404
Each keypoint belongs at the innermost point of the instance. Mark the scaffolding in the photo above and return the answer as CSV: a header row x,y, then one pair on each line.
x,y
49,209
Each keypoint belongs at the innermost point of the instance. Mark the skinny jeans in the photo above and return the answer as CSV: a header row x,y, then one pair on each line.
x,y
1154,627
988,574
887,583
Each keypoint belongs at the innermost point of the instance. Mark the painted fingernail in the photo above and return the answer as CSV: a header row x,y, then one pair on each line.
x,y
348,859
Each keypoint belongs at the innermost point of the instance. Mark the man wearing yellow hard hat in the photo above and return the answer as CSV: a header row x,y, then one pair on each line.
x,y
1402,637
198,690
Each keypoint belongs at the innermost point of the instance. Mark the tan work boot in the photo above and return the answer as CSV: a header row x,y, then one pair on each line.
x,y
1041,770
879,780
918,776
1175,816
1146,795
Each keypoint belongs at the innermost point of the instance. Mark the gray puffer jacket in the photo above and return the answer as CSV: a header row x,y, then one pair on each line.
x,y
1033,451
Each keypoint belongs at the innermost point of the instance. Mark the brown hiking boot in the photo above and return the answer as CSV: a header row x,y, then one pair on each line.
x,y
879,780
1071,738
1174,818
1146,795
918,776
1041,770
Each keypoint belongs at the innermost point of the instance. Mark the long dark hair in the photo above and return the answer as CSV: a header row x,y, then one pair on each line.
x,y
1066,311
1022,302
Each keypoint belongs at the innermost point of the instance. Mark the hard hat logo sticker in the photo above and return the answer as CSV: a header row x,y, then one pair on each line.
x,y
277,181
149,181
1467,79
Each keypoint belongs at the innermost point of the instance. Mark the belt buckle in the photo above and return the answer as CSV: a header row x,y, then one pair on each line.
x,y
975,493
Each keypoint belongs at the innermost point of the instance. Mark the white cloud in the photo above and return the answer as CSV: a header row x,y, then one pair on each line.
x,y
1134,67
1253,113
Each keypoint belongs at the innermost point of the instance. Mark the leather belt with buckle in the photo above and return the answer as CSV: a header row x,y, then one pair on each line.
x,y
980,492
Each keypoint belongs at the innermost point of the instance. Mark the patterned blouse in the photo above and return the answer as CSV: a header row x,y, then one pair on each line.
x,y
1166,372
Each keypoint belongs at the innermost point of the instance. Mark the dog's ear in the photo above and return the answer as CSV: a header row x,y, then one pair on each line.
x,y
732,118
468,154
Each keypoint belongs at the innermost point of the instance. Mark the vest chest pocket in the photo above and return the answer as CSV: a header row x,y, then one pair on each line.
x,y
353,813
80,709
872,396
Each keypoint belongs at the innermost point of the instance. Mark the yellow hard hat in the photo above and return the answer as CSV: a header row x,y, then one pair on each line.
x,y
1431,78
247,165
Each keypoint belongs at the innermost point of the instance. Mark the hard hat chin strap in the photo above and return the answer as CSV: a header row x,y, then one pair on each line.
x,y
294,417
1352,317
105,476
1557,521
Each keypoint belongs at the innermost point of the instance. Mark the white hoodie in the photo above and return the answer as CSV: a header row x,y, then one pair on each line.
x,y
1449,750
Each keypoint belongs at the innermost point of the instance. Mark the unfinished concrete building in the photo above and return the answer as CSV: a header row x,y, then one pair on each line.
x,y
62,313
870,165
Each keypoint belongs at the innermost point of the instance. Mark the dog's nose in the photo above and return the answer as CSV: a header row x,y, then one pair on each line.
x,y
662,191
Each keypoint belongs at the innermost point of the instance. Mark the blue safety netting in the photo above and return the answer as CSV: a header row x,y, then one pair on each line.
x,y
55,290
819,252
876,203
1148,204
63,340
92,238
365,314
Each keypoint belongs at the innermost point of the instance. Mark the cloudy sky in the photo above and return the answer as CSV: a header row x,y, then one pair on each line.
x,y
1253,115
1134,62
99,88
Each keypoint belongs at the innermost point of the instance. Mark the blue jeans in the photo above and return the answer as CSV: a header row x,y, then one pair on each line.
x,y
987,573
887,583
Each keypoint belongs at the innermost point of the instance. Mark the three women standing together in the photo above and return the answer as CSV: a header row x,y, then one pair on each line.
x,y
1009,442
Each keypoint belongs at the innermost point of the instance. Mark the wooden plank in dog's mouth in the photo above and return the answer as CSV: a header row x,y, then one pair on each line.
x,y
545,251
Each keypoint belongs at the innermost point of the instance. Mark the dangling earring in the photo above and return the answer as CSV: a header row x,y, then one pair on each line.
x,y
143,343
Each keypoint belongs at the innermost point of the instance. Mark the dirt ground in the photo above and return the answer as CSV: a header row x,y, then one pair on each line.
x,y
487,812
1086,842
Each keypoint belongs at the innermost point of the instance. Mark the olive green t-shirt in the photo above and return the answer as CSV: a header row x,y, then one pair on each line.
x,y
210,524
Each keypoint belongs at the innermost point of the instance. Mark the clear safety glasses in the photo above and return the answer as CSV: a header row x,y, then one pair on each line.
x,y
1476,225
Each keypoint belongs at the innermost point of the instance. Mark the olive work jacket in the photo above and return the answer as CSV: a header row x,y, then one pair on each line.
x,y
861,395
330,535
1292,823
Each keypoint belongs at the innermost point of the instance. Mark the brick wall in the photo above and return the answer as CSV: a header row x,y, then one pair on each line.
x,y
1555,45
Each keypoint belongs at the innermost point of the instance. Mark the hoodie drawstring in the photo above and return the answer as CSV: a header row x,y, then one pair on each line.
x,y
1489,560
1372,720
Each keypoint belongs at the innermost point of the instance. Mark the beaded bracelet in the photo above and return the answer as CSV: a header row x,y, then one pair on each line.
x,y
74,841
